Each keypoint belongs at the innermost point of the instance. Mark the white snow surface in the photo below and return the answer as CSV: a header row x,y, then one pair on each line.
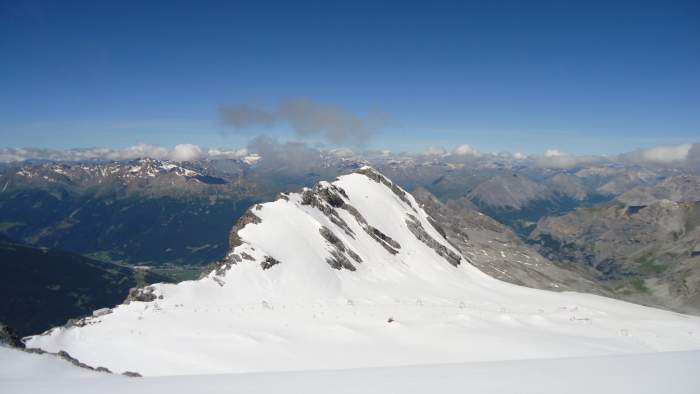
x,y
410,308
672,372
21,366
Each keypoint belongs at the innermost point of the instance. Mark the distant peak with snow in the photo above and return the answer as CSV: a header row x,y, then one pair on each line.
x,y
352,273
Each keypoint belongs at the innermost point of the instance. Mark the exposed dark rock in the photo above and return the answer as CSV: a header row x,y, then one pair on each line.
x,y
332,197
328,235
339,261
308,197
132,374
246,256
248,217
379,178
385,238
64,355
417,229
326,199
9,337
269,262
437,227
34,350
387,242
67,357
143,294
353,255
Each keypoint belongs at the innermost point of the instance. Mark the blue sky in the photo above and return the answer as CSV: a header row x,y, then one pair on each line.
x,y
581,77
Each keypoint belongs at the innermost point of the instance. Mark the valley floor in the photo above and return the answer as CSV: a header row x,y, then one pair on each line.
x,y
670,372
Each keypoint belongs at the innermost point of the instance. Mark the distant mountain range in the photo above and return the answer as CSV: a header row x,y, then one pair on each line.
x,y
356,273
645,243
178,214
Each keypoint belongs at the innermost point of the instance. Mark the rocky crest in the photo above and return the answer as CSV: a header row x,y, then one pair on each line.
x,y
329,199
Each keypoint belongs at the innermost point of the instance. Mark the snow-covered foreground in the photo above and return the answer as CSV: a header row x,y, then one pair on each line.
x,y
354,274
674,372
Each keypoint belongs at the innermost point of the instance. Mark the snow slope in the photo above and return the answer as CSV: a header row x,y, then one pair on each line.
x,y
353,274
20,366
673,372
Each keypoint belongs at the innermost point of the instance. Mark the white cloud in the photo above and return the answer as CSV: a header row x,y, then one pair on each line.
x,y
662,154
465,150
134,152
435,151
342,152
554,158
181,152
227,153
553,153
186,152
519,155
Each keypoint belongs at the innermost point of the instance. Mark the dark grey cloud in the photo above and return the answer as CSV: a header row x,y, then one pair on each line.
x,y
307,118
246,116
292,157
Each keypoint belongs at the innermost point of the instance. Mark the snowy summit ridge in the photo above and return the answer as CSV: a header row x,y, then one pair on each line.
x,y
353,273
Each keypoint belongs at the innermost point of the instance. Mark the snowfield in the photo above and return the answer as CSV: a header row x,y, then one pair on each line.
x,y
674,372
291,299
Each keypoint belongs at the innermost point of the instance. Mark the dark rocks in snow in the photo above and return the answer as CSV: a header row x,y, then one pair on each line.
x,y
339,261
332,238
143,294
332,197
9,337
353,255
379,178
415,226
65,356
248,217
269,262
437,227
132,374
246,256
218,281
387,242
326,199
384,237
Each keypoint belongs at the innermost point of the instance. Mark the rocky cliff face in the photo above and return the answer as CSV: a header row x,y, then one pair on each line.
x,y
497,251
642,244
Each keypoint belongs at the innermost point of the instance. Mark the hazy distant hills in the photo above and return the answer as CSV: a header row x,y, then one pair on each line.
x,y
145,211
645,244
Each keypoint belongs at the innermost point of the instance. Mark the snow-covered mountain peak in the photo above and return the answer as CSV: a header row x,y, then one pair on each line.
x,y
361,227
352,273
